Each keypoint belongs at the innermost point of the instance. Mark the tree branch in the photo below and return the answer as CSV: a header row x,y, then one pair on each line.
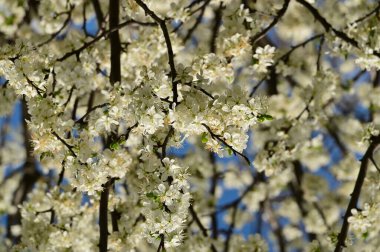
x,y
200,225
215,29
115,75
29,178
213,186
100,36
81,120
375,142
161,23
279,15
284,57
98,13
103,216
65,23
69,147
226,144
328,27
230,229
197,22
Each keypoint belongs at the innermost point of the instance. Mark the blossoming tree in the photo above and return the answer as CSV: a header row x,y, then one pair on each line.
x,y
190,125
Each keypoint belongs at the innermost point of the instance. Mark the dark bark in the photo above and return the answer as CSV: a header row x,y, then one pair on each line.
x,y
29,178
355,195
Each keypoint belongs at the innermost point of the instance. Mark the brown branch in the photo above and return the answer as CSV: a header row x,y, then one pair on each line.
x,y
277,229
161,246
70,95
220,138
61,174
100,36
375,83
200,89
98,13
68,146
237,201
38,90
215,29
194,3
375,142
3,133
65,23
230,229
298,194
10,175
277,18
334,133
376,80
115,75
213,186
374,11
29,178
84,25
200,225
191,13
81,120
328,27
103,216
165,143
115,216
320,53
320,212
75,107
197,22
285,58
52,214
162,24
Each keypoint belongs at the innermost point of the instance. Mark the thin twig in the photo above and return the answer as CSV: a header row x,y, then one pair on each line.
x,y
284,57
200,225
226,144
162,24
81,120
277,18
328,27
100,36
65,23
69,147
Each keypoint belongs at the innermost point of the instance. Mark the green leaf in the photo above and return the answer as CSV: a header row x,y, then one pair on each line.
x,y
264,117
365,235
114,146
151,195
230,151
10,20
204,137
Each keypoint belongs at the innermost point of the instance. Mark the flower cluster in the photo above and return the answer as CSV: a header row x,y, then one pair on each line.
x,y
138,117
263,58
164,189
363,220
